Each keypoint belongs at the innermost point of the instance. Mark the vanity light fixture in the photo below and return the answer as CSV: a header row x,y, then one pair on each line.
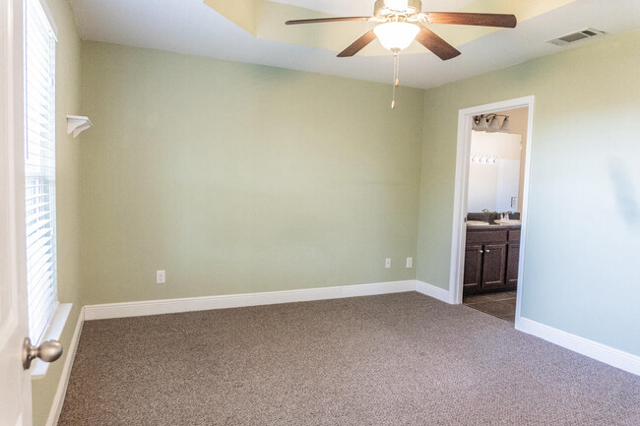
x,y
494,126
506,125
480,123
491,123
484,159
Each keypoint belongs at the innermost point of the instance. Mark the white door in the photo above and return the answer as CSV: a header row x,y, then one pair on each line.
x,y
15,383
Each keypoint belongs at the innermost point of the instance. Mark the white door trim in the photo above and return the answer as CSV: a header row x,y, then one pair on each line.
x,y
458,241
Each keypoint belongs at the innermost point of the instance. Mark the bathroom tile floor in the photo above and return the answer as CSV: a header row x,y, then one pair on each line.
x,y
501,305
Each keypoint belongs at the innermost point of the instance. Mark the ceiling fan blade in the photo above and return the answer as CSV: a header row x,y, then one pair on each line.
x,y
436,44
323,20
358,45
480,19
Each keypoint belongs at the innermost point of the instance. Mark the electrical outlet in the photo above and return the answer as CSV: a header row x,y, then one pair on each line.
x,y
387,263
161,277
409,262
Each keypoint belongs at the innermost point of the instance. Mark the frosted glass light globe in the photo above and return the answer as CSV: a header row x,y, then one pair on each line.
x,y
396,35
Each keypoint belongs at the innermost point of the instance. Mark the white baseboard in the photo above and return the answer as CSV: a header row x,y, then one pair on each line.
x,y
434,291
611,356
170,306
61,391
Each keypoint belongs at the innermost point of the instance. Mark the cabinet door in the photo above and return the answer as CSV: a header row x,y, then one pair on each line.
x,y
513,261
494,266
472,269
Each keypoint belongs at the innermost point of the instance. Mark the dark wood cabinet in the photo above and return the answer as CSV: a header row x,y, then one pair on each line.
x,y
494,266
473,268
491,260
513,262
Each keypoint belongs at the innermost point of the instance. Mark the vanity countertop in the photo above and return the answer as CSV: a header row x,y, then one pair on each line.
x,y
494,227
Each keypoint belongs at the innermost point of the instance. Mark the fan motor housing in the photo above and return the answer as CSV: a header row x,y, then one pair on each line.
x,y
385,8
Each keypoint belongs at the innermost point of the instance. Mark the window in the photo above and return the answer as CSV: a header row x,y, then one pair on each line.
x,y
40,172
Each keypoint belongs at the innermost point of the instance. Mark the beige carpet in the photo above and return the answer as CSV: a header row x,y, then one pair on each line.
x,y
402,359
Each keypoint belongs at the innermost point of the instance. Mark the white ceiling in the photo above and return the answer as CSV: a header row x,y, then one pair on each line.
x,y
191,27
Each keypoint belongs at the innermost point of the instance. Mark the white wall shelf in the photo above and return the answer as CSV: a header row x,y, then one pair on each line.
x,y
77,124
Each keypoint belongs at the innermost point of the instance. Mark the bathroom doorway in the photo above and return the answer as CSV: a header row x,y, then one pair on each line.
x,y
487,265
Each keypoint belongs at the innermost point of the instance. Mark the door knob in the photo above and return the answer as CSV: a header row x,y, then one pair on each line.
x,y
48,351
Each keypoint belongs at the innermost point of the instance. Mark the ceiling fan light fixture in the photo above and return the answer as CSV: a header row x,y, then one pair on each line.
x,y
396,36
401,23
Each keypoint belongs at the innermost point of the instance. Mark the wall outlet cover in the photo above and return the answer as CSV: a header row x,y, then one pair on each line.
x,y
161,277
387,263
409,262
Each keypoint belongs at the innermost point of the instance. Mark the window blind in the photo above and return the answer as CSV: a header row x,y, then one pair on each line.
x,y
40,172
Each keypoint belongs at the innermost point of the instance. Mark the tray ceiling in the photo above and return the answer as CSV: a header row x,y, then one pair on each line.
x,y
253,31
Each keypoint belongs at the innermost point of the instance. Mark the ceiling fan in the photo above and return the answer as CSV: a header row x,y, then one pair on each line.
x,y
400,22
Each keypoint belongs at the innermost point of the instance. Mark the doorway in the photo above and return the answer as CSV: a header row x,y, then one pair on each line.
x,y
490,207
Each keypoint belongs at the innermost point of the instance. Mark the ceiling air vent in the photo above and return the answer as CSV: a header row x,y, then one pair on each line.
x,y
576,37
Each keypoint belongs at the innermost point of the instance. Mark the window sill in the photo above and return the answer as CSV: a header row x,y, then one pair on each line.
x,y
54,331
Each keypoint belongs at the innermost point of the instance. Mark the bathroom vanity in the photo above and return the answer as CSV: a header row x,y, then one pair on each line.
x,y
491,259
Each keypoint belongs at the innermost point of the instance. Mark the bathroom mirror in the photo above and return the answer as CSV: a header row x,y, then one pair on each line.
x,y
494,174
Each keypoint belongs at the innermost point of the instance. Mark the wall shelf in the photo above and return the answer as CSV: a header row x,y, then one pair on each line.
x,y
77,124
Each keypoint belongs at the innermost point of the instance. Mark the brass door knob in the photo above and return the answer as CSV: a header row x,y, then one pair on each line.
x,y
48,351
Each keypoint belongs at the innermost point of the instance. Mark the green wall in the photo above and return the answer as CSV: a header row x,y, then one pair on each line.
x,y
583,238
238,178
68,71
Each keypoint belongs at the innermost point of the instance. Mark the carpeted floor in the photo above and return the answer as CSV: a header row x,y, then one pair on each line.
x,y
401,359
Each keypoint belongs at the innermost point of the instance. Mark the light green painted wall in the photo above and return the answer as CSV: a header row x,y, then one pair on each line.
x,y
583,239
68,70
239,178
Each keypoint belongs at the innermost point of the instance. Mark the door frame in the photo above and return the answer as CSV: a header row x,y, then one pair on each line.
x,y
459,235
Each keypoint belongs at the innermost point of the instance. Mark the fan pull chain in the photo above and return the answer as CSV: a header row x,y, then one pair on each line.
x,y
396,76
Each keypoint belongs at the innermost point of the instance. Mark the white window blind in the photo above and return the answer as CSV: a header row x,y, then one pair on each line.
x,y
40,170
